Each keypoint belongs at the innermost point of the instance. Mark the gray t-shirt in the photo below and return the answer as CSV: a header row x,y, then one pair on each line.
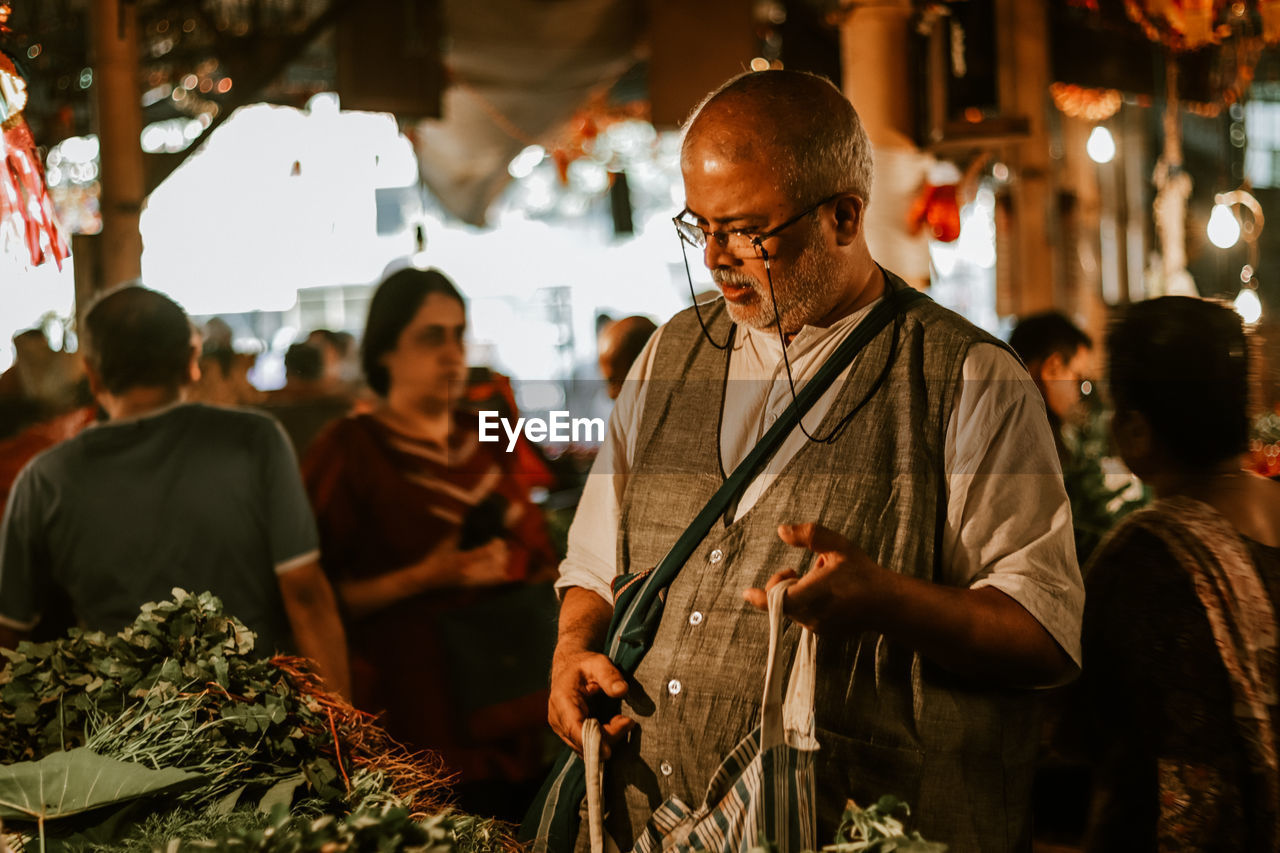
x,y
194,496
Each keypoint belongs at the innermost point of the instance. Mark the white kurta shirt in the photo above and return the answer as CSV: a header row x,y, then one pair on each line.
x,y
1008,521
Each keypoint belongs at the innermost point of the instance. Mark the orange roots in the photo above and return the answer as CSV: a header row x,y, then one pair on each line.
x,y
419,778
337,750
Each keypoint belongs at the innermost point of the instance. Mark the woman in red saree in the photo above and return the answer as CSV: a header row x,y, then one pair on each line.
x,y
421,527
1180,633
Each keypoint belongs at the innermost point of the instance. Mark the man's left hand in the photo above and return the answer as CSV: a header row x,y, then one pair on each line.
x,y
838,593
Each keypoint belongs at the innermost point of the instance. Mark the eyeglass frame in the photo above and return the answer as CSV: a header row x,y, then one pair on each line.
x,y
687,230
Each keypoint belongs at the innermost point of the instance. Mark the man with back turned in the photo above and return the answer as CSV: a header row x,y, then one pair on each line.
x,y
166,494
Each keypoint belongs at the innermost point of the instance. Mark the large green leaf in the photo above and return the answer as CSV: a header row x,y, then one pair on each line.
x,y
68,783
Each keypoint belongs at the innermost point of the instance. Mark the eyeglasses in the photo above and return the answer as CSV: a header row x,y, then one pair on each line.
x,y
739,243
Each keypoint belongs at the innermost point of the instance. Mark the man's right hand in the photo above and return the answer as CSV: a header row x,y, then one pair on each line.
x,y
575,678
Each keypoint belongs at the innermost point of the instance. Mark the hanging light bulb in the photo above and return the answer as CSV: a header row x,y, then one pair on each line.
x,y
1224,228
1101,147
1248,305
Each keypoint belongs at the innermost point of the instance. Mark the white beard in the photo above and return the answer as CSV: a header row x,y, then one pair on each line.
x,y
805,291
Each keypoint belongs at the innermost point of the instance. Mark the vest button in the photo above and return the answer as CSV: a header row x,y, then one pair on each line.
x,y
666,768
695,618
716,556
673,687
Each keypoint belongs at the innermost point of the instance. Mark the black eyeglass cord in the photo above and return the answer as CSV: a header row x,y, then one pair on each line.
x,y
880,380
693,298
777,319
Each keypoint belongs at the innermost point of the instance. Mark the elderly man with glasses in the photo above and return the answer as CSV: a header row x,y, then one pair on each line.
x,y
919,500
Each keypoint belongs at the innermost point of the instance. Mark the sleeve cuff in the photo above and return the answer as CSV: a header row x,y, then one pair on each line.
x,y
584,580
1049,608
298,561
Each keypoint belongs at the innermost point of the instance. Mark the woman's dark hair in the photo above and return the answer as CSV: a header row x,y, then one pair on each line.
x,y
138,338
1183,363
394,305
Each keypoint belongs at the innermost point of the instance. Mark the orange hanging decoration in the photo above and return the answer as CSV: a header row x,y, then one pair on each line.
x,y
1269,11
942,212
1080,102
938,207
26,212
1192,24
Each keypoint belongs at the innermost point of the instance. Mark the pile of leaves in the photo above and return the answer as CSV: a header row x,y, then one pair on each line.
x,y
872,830
177,705
385,829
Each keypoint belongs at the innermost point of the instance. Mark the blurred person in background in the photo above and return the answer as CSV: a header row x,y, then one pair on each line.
x,y
224,375
426,533
303,373
44,399
42,383
1058,355
619,344
1178,694
340,372
166,494
305,405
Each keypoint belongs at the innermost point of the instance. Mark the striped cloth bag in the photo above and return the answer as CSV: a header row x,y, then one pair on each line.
x,y
764,788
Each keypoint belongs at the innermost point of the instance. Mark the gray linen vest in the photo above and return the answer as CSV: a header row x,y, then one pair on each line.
x,y
888,722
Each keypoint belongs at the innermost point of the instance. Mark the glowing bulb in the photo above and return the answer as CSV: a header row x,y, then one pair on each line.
x,y
1248,306
526,161
1101,147
1224,228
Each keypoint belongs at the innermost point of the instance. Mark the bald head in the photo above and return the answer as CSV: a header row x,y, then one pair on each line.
x,y
620,345
798,124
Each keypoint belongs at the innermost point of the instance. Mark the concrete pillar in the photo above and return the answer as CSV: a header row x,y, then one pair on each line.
x,y
1023,29
874,44
114,28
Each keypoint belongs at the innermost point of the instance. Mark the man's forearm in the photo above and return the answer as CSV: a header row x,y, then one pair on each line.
x,y
580,672
978,633
584,621
312,610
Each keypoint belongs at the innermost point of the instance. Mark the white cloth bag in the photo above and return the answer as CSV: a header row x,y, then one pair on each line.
x,y
763,790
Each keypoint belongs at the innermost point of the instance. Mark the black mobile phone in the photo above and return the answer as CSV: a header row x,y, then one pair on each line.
x,y
484,522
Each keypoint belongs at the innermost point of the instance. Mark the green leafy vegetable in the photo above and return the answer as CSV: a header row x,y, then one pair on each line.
x,y
68,783
876,830
179,695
